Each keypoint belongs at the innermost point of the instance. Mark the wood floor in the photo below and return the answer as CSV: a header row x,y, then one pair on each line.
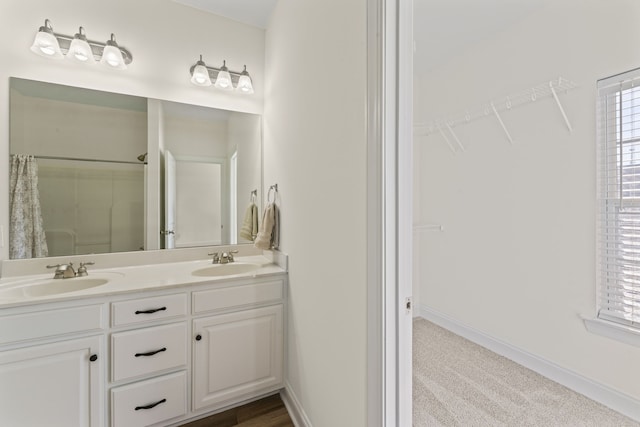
x,y
267,412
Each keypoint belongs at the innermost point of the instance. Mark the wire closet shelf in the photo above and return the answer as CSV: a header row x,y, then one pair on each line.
x,y
444,126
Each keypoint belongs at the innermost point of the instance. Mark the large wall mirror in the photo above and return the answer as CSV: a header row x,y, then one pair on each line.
x,y
91,155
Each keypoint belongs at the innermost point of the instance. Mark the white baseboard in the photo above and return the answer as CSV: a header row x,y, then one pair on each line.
x,y
607,396
294,407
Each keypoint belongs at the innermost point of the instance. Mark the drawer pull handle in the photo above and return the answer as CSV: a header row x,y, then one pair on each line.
x,y
153,405
151,353
198,337
93,357
153,310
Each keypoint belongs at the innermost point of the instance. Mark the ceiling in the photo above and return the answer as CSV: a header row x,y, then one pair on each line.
x,y
250,12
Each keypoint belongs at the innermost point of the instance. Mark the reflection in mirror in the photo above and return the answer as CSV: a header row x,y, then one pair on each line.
x,y
212,161
90,148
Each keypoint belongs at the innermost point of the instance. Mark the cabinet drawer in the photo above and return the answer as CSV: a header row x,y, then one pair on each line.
x,y
236,296
143,351
148,309
50,323
149,402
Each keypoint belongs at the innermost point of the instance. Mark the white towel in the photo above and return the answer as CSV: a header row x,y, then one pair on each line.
x,y
263,239
275,233
249,228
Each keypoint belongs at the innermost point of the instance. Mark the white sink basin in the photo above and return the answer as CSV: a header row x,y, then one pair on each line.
x,y
45,287
227,269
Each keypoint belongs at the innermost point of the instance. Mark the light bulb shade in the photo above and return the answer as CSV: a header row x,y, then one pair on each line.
x,y
244,82
80,50
46,44
200,75
112,55
245,85
223,81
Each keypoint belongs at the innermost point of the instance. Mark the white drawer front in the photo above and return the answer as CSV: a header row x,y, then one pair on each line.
x,y
149,402
49,323
236,296
143,351
148,309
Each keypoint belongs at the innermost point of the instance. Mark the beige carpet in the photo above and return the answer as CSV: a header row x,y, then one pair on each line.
x,y
459,383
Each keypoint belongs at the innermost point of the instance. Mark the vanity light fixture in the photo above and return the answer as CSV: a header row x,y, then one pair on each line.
x,y
78,48
221,78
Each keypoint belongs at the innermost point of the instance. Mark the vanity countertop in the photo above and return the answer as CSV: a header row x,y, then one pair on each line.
x,y
134,279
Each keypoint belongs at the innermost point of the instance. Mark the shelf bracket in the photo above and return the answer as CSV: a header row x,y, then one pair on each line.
x,y
564,115
504,128
453,150
456,138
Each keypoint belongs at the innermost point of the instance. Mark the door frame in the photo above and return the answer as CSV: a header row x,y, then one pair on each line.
x,y
389,211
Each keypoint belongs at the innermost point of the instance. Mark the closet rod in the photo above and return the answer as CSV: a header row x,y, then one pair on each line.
x,y
89,160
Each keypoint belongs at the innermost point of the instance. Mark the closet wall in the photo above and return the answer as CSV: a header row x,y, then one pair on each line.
x,y
516,259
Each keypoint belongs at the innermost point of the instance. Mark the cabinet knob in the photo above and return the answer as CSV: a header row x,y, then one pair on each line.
x,y
93,357
198,337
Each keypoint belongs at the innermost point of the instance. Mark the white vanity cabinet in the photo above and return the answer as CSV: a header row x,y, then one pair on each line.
x,y
157,357
45,382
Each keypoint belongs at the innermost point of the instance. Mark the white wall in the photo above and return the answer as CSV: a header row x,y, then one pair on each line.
x,y
164,37
315,150
516,260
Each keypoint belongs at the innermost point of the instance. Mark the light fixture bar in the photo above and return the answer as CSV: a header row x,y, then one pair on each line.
x,y
97,48
55,45
221,78
213,73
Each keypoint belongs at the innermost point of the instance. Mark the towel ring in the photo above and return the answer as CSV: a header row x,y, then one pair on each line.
x,y
273,188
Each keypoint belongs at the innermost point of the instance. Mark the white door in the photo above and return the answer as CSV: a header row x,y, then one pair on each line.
x,y
169,200
237,354
53,385
199,209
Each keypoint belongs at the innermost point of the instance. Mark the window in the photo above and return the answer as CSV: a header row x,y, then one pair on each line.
x,y
618,116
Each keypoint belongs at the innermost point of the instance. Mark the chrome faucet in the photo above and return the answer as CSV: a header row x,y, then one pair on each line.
x,y
66,271
216,257
82,270
222,258
227,257
63,271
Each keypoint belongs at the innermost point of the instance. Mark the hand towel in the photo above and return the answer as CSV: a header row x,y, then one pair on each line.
x,y
254,221
263,239
249,228
275,234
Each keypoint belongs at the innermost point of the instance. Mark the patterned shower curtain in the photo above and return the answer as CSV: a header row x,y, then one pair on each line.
x,y
26,230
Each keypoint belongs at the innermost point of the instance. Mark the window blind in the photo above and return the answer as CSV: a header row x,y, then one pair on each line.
x,y
618,141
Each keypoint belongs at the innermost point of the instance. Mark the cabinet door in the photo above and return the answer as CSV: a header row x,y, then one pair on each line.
x,y
237,355
53,385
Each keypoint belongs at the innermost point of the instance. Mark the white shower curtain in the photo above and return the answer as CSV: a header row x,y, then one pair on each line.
x,y
26,231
